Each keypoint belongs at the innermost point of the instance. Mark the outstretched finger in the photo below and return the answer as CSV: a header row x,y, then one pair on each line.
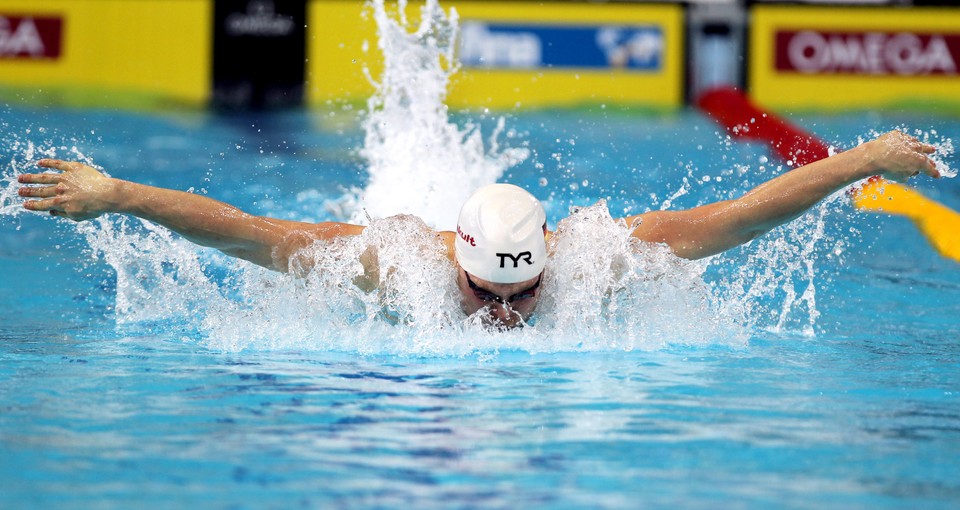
x,y
39,178
926,148
39,192
49,204
58,164
927,166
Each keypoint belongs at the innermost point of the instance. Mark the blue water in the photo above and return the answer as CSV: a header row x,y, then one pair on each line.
x,y
851,402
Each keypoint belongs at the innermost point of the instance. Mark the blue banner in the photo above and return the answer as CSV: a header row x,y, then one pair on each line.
x,y
501,46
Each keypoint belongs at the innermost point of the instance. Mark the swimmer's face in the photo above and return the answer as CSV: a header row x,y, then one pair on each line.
x,y
508,304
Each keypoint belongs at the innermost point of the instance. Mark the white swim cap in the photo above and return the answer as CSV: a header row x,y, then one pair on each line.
x,y
500,234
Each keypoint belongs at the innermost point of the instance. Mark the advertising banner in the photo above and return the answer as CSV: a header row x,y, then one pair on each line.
x,y
492,46
518,54
822,57
867,53
29,37
106,52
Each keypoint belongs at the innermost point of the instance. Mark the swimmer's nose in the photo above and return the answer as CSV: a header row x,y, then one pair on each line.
x,y
505,315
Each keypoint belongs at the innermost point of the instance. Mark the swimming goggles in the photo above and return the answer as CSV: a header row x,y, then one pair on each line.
x,y
489,297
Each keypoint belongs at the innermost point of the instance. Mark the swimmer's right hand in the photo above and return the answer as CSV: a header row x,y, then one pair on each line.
x,y
898,156
79,192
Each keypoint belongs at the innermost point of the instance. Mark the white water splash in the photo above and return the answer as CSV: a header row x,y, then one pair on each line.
x,y
159,276
780,268
943,149
419,161
413,312
608,291
602,290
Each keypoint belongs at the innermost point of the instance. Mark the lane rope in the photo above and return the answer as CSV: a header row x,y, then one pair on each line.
x,y
745,120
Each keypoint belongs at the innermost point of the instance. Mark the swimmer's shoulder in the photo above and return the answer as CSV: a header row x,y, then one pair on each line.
x,y
322,231
448,239
332,229
292,237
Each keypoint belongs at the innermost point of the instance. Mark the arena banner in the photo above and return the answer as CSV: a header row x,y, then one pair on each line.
x,y
805,57
517,54
106,52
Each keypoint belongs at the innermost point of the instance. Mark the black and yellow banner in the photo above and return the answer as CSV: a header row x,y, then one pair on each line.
x,y
107,51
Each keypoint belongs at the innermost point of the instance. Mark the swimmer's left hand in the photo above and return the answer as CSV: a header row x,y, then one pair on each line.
x,y
79,192
898,157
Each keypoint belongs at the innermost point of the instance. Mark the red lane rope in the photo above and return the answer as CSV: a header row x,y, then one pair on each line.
x,y
743,119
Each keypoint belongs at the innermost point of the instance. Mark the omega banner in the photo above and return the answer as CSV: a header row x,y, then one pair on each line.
x,y
873,53
854,57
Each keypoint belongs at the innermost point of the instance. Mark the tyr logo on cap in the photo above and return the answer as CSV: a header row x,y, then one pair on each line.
x,y
524,255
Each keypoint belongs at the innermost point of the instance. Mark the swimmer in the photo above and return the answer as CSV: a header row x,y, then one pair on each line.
x,y
499,248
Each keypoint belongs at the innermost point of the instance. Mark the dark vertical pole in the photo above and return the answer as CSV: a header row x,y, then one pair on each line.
x,y
259,49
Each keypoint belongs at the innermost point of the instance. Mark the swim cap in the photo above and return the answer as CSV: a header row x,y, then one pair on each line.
x,y
500,234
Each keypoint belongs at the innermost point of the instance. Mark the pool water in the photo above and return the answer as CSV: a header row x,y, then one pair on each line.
x,y
816,367
848,402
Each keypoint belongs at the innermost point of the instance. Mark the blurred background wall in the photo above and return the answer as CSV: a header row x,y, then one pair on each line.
x,y
266,54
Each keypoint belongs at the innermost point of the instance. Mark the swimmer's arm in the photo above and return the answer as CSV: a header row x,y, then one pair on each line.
x,y
267,242
81,193
714,228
